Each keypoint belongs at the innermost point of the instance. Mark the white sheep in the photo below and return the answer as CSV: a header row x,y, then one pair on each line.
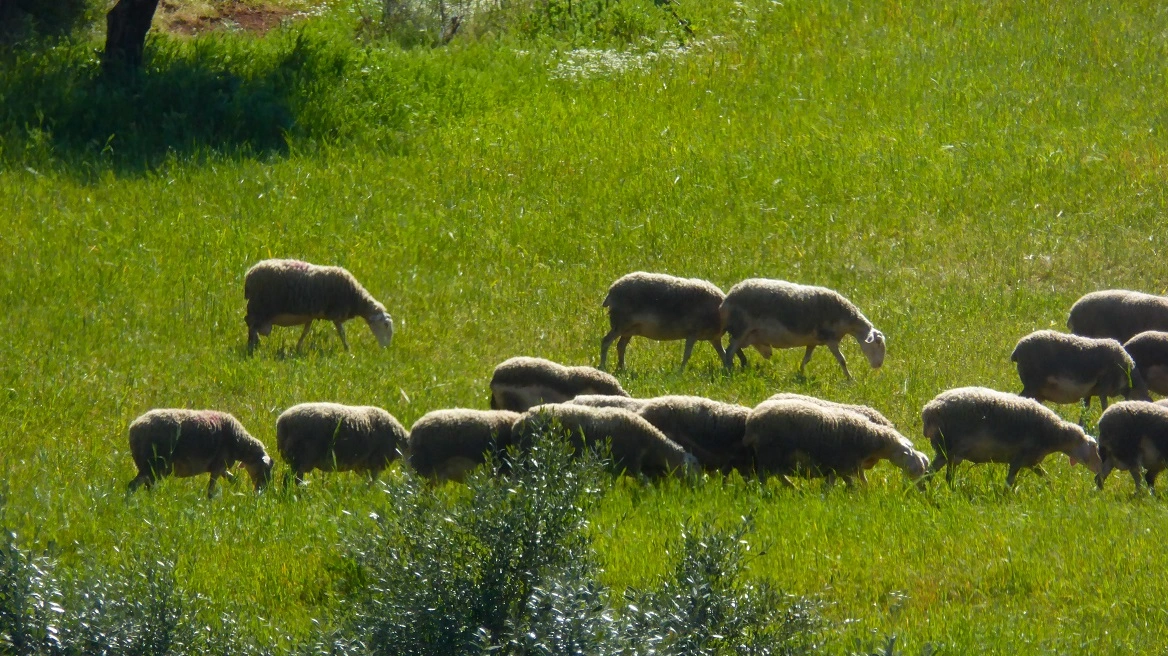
x,y
983,425
182,442
662,308
636,446
770,314
1133,437
294,293
1149,350
1065,368
520,383
711,430
335,437
1118,314
798,437
448,444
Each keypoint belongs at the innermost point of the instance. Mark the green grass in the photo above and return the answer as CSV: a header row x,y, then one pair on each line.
x,y
962,171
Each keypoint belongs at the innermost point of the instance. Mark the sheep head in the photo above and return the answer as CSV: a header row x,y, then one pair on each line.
x,y
260,471
1083,449
873,347
382,326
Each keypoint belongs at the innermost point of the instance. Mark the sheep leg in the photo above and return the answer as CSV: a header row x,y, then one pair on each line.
x,y
606,342
839,357
1102,401
734,348
950,471
1108,465
807,358
140,480
341,331
253,339
1150,477
303,334
689,344
1015,466
1135,474
621,345
211,485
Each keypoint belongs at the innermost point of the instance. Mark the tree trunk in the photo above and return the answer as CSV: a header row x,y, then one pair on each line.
x,y
126,26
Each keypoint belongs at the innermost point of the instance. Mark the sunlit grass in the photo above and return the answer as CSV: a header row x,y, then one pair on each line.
x,y
962,172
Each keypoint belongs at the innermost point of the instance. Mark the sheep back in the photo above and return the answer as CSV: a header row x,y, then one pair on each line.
x,y
636,446
712,431
1133,436
984,425
1065,368
1118,314
797,437
180,442
664,307
802,310
447,444
292,292
607,401
522,382
1149,350
335,437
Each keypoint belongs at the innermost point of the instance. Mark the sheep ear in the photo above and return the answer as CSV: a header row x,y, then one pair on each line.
x,y
1074,460
267,460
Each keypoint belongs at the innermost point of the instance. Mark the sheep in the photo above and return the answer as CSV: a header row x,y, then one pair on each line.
x,y
335,437
774,313
636,446
983,425
1133,436
1149,350
712,431
1118,313
293,293
520,383
447,444
607,401
191,442
793,436
871,413
663,308
1065,368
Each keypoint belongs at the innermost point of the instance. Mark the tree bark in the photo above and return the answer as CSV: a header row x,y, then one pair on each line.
x,y
126,26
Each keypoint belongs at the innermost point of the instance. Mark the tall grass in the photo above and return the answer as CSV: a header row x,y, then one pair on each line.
x,y
962,171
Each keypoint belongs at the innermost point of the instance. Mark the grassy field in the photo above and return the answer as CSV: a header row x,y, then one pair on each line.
x,y
962,171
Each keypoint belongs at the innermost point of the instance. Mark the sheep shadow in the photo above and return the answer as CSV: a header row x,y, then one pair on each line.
x,y
191,100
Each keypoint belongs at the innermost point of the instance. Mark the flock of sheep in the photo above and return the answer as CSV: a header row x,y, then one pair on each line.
x,y
1118,347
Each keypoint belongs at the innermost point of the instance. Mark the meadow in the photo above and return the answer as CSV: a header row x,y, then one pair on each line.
x,y
962,171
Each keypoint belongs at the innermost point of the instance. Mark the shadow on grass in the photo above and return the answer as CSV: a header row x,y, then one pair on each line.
x,y
232,97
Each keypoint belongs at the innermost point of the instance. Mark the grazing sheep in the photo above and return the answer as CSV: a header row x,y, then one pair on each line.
x,y
774,313
607,401
1133,437
1149,350
520,383
294,293
710,430
791,436
192,442
663,308
982,425
447,444
871,413
335,437
1118,313
637,447
1065,368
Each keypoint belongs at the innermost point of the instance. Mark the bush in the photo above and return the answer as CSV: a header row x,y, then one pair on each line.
x,y
508,566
